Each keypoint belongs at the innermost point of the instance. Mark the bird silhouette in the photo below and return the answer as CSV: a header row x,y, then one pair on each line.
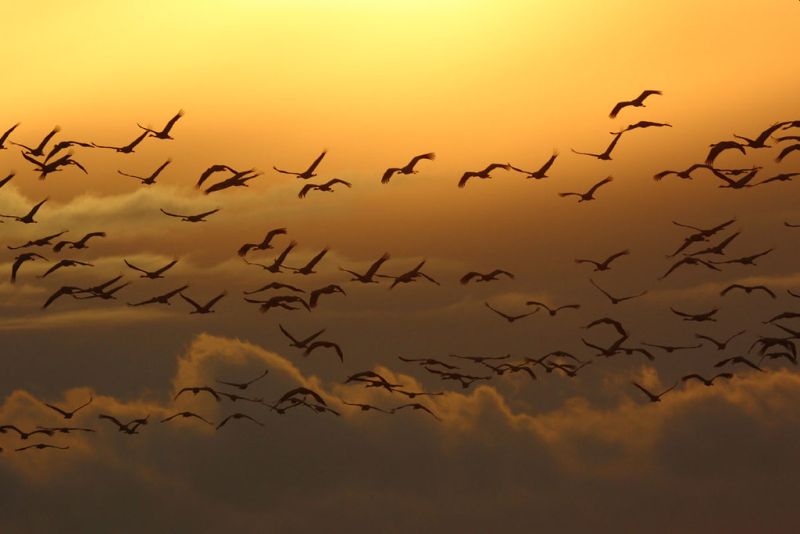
x,y
41,242
669,349
484,277
152,275
4,136
330,289
745,260
366,407
244,385
186,415
740,183
541,172
552,311
416,406
786,151
131,427
37,151
722,146
274,285
125,149
308,173
637,102
7,179
653,397
428,362
642,124
200,217
65,263
708,382
265,244
308,268
507,317
326,187
604,265
747,289
408,168
164,133
685,174
606,154
369,276
49,167
589,195
612,298
314,345
148,180
40,446
484,174
22,258
161,299
740,360
762,138
697,317
204,308
79,244
409,276
237,180
237,416
688,260
277,264
280,301
28,217
68,414
718,249
213,169
784,177
300,343
721,345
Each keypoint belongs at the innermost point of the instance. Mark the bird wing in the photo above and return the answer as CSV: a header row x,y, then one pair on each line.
x,y
316,162
306,188
599,184
166,267
387,175
135,268
172,214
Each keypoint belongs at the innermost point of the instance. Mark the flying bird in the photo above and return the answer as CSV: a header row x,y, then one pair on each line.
x,y
22,258
186,415
265,243
721,345
553,311
747,289
277,264
37,151
126,149
50,167
541,172
762,138
366,407
325,345
408,169
41,242
613,299
688,260
213,169
28,217
274,285
642,124
128,428
637,102
708,382
281,301
606,154
369,276
4,136
653,397
7,179
300,343
589,195
308,173
669,349
483,174
79,244
68,414
244,385
784,177
697,317
481,277
204,308
152,275
786,151
326,187
745,260
161,299
148,180
200,217
164,133
416,406
685,174
195,390
410,276
237,416
738,359
65,263
308,268
722,146
604,265
40,446
330,289
507,317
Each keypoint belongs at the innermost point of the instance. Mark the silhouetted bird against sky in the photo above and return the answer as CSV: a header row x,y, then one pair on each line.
x,y
697,317
4,137
747,289
237,416
274,285
740,360
688,260
62,145
280,301
308,268
718,249
60,292
722,146
40,446
161,299
314,345
745,260
277,264
642,124
7,179
605,155
552,311
244,385
22,258
164,133
637,102
127,428
763,137
740,183
589,195
484,174
787,151
152,275
721,345
50,167
369,276
300,343
308,173
408,169
69,414
187,415
416,406
148,180
684,174
612,298
708,382
366,407
409,276
652,396
265,243
37,151
669,349
326,187
80,244
40,242
213,169
428,362
200,217
507,317
330,289
204,308
237,180
541,172
303,393
28,217
604,265
488,277
65,263
126,149
784,177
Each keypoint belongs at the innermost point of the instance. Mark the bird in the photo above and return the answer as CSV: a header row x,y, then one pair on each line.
x,y
24,435
65,290
613,299
786,151
688,260
541,172
762,138
416,406
128,428
7,179
205,308
195,390
509,318
326,187
738,359
721,345
511,368
747,289
604,265
669,349
642,124
65,429
408,168
105,294
552,311
280,301
708,382
685,174
41,242
366,407
152,275
722,146
304,392
237,416
4,136
237,180
37,151
308,173
68,414
369,276
213,169
697,317
126,149
186,415
265,244
200,217
793,294
28,217
308,268
653,397
790,225
65,263
784,177
22,258
330,289
274,285
300,343
739,183
79,244
637,102
277,264
745,260
700,234
161,299
325,345
428,361
589,195
718,249
483,174
481,277
148,180
164,133
244,385
464,379
50,167
40,446
62,145
606,154
409,276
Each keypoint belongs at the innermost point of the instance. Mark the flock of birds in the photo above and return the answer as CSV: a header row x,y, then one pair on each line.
x,y
700,248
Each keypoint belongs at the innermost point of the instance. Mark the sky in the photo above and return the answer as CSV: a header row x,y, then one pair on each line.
x,y
273,84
